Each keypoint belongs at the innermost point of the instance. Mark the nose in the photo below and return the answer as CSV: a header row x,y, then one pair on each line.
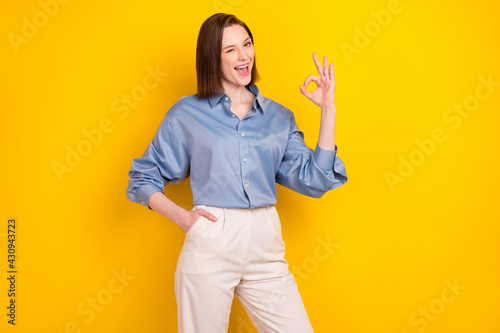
x,y
242,55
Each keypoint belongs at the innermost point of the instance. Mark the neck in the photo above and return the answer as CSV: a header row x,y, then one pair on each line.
x,y
238,94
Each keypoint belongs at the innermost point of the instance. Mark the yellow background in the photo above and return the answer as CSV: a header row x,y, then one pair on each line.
x,y
399,247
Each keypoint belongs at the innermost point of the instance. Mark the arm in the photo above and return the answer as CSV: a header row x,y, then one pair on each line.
x,y
310,172
165,160
323,96
306,171
326,138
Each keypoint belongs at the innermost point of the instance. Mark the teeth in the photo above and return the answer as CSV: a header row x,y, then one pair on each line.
x,y
241,67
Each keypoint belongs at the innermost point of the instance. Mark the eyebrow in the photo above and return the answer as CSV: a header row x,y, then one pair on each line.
x,y
235,45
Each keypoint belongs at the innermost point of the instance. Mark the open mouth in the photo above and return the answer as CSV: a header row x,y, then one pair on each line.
x,y
242,70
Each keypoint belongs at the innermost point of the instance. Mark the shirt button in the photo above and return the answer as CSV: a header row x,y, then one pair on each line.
x,y
246,185
244,159
226,98
234,116
242,134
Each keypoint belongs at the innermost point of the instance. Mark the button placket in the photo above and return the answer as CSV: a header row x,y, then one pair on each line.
x,y
245,167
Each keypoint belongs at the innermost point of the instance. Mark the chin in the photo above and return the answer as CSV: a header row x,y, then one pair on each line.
x,y
236,81
241,83
245,82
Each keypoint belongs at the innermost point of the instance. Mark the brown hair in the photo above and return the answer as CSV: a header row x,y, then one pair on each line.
x,y
208,54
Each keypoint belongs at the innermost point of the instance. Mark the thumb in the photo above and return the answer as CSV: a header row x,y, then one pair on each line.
x,y
304,91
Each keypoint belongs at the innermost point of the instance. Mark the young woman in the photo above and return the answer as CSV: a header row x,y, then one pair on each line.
x,y
235,145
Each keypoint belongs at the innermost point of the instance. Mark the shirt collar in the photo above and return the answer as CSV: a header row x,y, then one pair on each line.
x,y
259,100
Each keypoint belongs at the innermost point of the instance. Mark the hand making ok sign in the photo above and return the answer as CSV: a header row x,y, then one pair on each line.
x,y
323,95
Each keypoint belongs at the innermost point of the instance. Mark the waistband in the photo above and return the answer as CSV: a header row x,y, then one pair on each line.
x,y
236,210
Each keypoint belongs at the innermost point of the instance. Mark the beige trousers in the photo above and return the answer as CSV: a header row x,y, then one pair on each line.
x,y
241,253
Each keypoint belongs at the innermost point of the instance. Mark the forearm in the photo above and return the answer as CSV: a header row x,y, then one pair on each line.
x,y
326,138
167,208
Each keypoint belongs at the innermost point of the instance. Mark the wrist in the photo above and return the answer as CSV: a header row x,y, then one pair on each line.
x,y
182,215
328,108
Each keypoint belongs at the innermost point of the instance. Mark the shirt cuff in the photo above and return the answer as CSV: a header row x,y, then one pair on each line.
x,y
324,158
143,193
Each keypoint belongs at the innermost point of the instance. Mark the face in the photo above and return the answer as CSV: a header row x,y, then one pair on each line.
x,y
237,51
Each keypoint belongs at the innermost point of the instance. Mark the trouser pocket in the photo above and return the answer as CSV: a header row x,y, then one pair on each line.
x,y
203,250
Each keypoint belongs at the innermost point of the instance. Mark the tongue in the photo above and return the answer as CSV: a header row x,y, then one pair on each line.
x,y
242,70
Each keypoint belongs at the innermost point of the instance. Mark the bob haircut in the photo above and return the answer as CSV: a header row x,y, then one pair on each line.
x,y
208,54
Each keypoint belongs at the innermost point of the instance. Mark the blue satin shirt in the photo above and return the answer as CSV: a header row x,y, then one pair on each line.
x,y
232,163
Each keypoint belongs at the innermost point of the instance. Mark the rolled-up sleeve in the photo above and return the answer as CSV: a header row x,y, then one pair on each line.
x,y
309,172
165,160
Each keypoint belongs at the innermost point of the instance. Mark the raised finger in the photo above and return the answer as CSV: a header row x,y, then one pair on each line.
x,y
325,66
318,65
332,75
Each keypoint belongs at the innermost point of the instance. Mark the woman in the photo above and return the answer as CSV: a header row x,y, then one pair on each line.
x,y
236,145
